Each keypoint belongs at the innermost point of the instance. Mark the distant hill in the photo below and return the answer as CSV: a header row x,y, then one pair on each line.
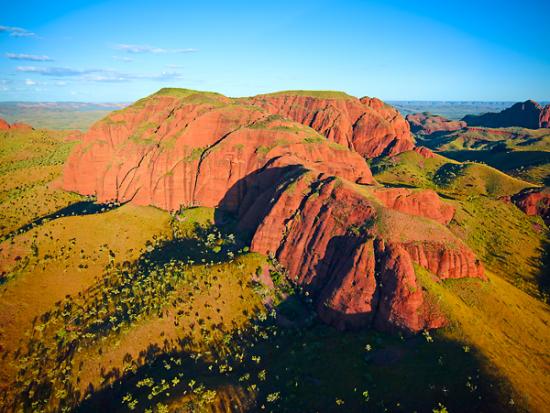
x,y
57,115
528,114
454,110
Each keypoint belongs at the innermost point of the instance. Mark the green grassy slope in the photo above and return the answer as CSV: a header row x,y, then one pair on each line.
x,y
30,164
323,94
508,241
128,308
519,152
446,176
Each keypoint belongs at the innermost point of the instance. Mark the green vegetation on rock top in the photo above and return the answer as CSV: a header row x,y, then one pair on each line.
x,y
184,93
323,94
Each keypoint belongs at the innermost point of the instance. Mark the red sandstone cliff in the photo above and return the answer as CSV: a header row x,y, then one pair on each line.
x,y
534,201
544,118
368,126
170,154
14,126
426,124
355,257
4,125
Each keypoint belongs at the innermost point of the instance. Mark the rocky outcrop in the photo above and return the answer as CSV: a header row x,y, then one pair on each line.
x,y
425,203
367,125
170,152
21,126
4,125
544,118
528,114
14,126
534,201
424,152
313,204
334,243
426,123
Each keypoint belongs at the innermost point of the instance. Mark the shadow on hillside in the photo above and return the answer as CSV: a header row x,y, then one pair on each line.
x,y
298,365
194,249
400,185
252,197
308,369
543,276
76,209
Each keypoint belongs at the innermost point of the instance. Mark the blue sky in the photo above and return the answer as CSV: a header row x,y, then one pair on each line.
x,y
396,50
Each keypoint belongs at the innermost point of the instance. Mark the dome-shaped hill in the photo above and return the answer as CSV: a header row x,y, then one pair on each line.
x,y
408,169
367,125
181,147
445,175
477,179
478,138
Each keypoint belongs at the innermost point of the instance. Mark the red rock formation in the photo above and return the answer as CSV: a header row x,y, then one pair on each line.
x,y
15,126
544,118
534,201
21,126
170,153
332,240
424,203
4,125
426,123
424,152
528,114
295,193
368,126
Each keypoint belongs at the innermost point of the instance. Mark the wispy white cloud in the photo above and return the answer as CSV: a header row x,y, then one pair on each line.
x,y
53,71
30,82
16,31
30,57
123,58
114,76
98,75
137,48
172,66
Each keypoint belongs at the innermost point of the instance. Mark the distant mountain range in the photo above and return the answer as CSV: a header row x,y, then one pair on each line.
x,y
451,109
57,115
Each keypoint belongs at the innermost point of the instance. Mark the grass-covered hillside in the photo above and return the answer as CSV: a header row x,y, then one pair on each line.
x,y
125,308
522,153
510,242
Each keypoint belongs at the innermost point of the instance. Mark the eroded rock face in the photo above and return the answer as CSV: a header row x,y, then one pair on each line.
x,y
424,152
367,125
14,126
332,240
534,201
528,114
426,123
424,203
170,153
352,245
544,119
